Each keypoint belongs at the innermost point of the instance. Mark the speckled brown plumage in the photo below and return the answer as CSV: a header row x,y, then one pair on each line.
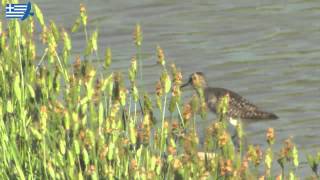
x,y
239,107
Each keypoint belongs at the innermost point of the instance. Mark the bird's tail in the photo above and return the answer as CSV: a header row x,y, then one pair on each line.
x,y
268,115
260,115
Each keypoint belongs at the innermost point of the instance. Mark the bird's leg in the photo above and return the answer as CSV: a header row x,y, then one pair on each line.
x,y
235,140
234,137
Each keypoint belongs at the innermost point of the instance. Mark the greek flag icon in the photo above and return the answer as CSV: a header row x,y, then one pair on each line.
x,y
20,11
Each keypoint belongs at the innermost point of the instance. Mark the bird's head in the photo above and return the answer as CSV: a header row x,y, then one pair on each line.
x,y
196,80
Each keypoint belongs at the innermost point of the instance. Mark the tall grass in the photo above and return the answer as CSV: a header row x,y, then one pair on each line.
x,y
60,120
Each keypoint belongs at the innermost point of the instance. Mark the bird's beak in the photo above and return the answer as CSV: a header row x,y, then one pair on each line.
x,y
185,84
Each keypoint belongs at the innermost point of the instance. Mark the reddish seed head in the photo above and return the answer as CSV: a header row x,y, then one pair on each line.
x,y
82,8
172,150
187,112
177,164
223,139
270,136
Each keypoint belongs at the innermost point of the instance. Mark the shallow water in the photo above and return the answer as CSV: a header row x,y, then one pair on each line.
x,y
266,50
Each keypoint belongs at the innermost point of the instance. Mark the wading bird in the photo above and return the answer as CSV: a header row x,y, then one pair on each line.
x,y
239,107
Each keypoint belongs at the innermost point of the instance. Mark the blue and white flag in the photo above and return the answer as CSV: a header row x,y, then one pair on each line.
x,y
21,11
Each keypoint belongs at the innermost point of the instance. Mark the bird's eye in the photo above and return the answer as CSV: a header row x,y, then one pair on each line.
x,y
194,77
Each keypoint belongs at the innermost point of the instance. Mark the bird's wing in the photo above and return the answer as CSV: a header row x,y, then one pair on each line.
x,y
238,105
211,103
238,102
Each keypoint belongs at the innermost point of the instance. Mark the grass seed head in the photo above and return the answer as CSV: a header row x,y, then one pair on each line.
x,y
177,164
270,136
108,58
161,57
225,167
187,112
91,169
159,89
137,35
223,139
83,14
172,150
133,165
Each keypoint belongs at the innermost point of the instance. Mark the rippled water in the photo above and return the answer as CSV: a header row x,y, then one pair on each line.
x,y
267,50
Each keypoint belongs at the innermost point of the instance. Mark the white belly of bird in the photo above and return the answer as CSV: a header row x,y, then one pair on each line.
x,y
234,122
